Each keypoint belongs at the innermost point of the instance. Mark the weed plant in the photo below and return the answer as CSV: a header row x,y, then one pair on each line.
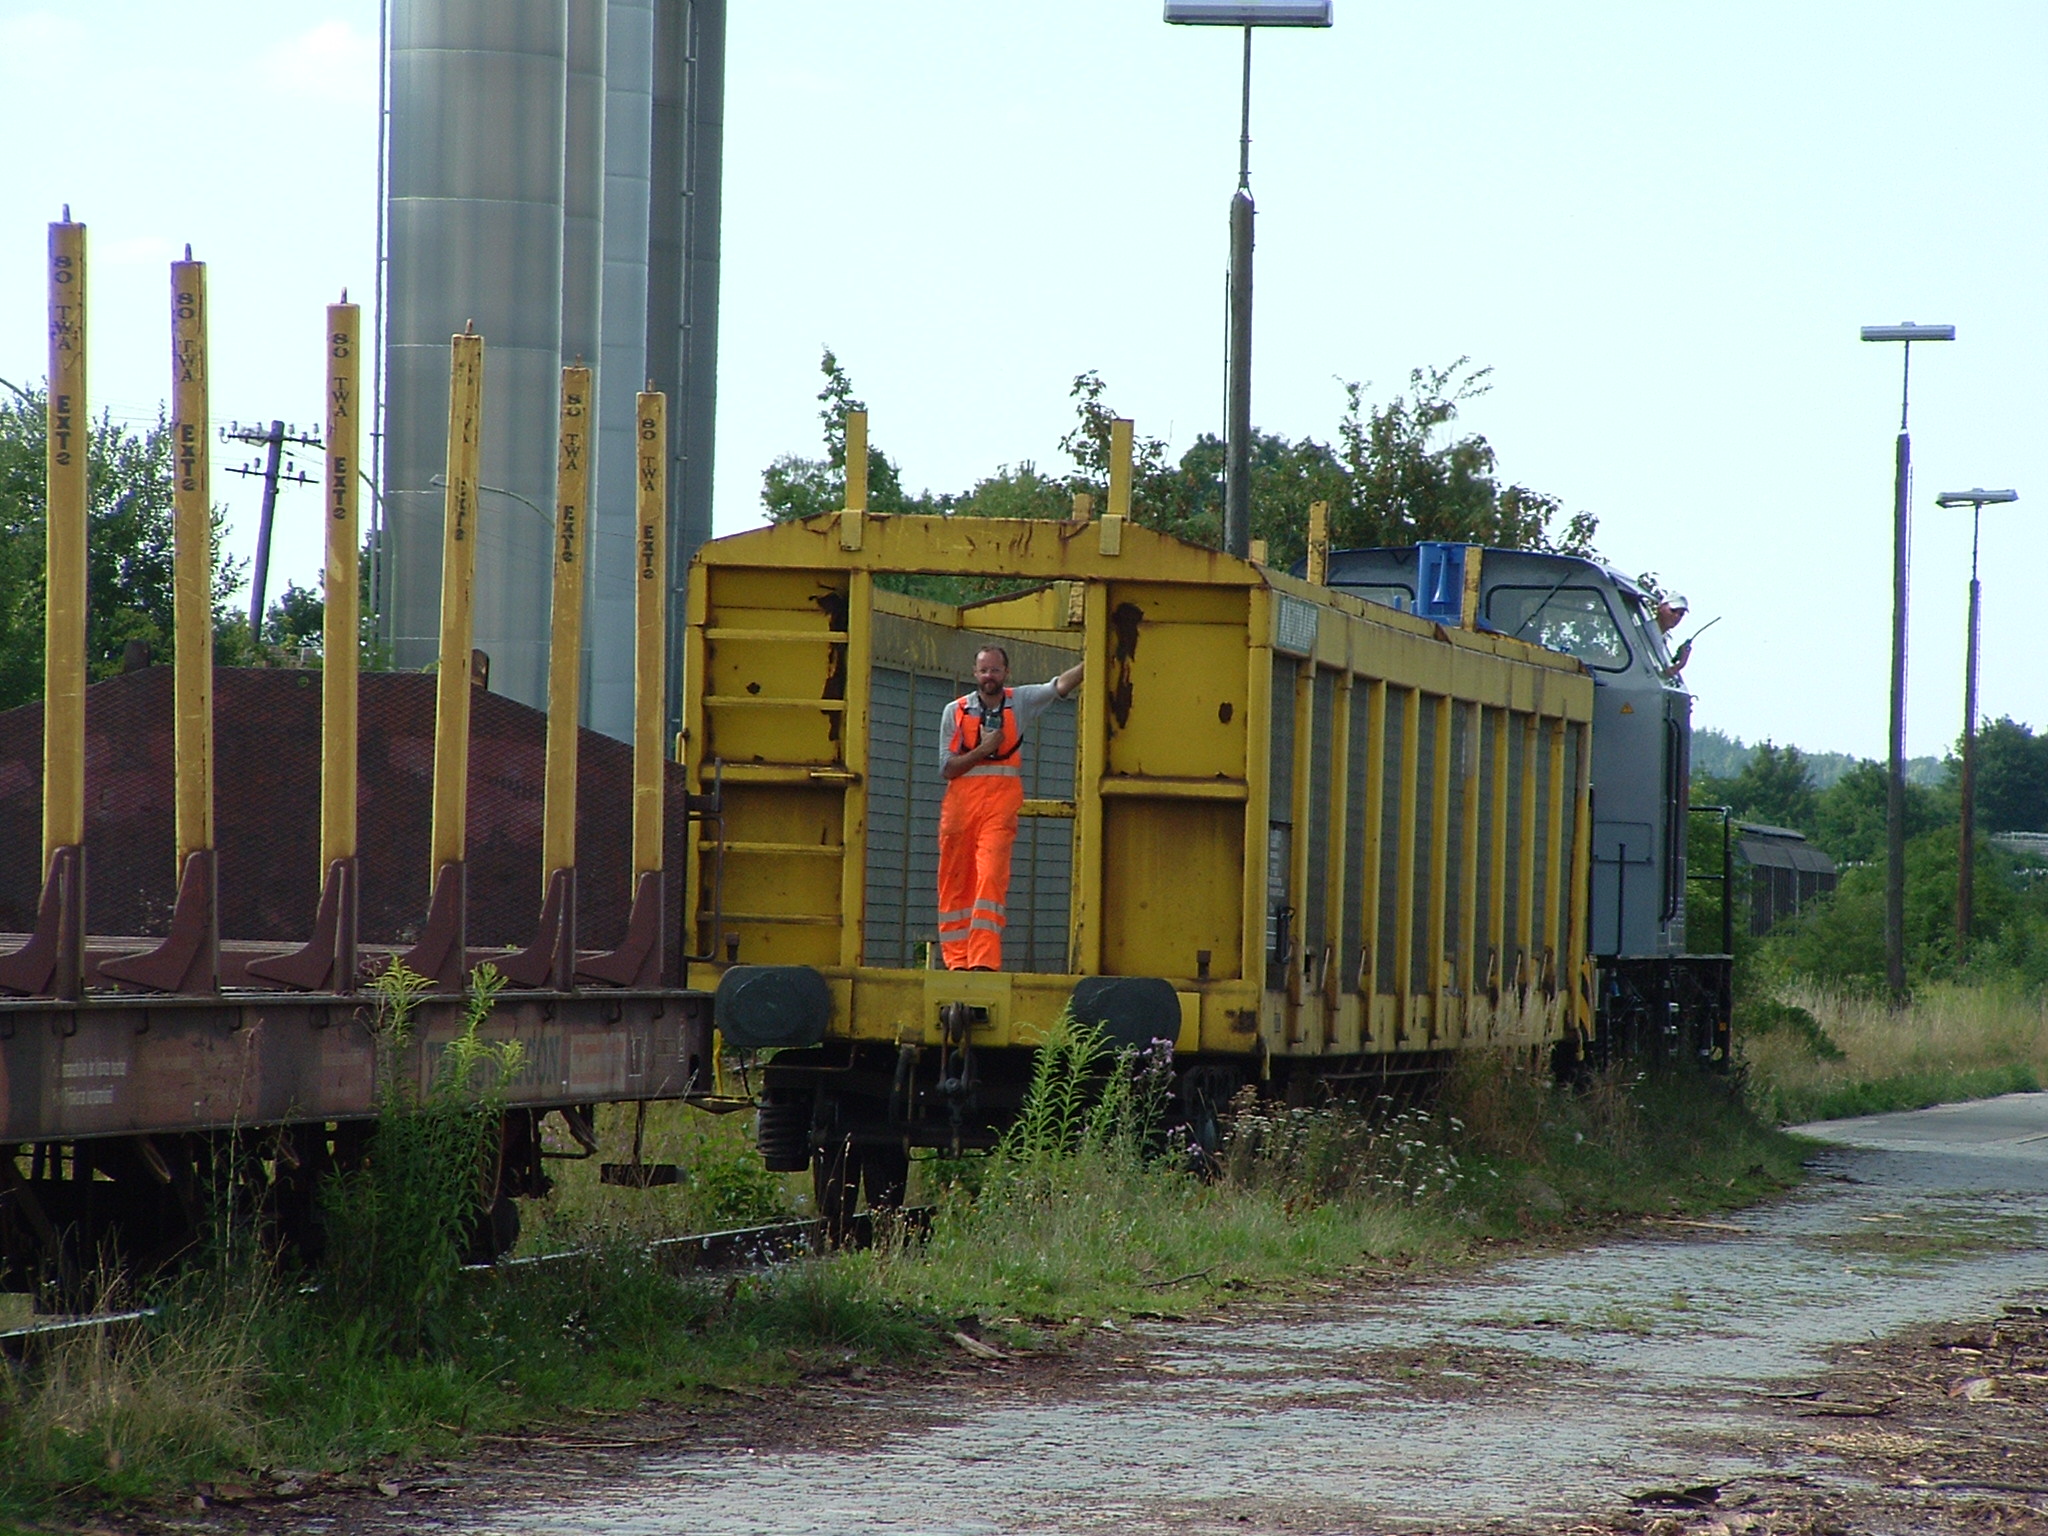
x,y
397,1227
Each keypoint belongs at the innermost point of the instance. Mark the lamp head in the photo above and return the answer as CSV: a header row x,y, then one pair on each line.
x,y
1908,331
1975,498
1248,13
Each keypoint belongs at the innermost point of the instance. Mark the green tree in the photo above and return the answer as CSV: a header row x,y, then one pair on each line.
x,y
1405,486
796,487
1849,815
2012,777
128,548
1395,474
1773,787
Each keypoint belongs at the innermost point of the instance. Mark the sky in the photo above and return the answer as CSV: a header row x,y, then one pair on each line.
x,y
1660,226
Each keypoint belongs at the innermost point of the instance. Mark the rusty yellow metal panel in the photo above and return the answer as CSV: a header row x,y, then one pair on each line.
x,y
1174,682
1156,920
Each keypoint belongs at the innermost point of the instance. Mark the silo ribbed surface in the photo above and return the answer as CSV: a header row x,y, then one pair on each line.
x,y
476,212
629,94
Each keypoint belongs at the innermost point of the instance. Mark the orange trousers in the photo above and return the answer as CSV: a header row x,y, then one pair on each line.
x,y
977,830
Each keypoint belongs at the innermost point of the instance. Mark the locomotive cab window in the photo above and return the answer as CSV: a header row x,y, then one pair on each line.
x,y
1576,620
1390,594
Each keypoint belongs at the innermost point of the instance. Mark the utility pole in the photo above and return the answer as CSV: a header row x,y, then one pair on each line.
x,y
275,468
1966,852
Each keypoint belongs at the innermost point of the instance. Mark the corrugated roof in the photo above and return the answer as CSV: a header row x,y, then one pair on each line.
x,y
1779,848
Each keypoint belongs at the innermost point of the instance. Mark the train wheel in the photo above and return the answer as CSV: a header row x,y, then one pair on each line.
x,y
1205,1095
885,1171
835,1185
493,1233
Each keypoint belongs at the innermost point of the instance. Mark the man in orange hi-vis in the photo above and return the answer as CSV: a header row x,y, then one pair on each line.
x,y
981,745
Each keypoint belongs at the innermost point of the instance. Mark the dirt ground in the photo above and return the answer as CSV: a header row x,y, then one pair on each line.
x,y
1938,1429
1868,1355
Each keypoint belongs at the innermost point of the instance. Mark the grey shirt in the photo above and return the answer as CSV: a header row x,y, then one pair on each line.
x,y
1027,702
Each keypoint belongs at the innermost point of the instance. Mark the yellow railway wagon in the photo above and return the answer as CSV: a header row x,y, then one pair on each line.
x,y
1295,833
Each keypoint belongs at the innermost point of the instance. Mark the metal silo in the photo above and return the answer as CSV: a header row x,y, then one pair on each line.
x,y
553,176
622,367
475,213
682,274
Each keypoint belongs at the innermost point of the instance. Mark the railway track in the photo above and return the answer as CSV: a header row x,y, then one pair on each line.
x,y
736,1248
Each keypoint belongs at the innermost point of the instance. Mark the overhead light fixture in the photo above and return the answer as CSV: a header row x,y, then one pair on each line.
x,y
1249,13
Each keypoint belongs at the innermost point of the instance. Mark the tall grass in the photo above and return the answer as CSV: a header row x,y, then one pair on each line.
x,y
1813,1053
1087,1211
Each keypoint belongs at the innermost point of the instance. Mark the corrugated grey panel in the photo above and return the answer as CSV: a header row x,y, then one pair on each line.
x,y
885,940
1041,878
1353,934
1426,893
1544,895
1571,831
1482,828
1390,844
1322,730
1511,924
1281,760
1462,746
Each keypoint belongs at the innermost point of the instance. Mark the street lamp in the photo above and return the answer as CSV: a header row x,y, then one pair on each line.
x,y
1237,436
1966,855
1895,788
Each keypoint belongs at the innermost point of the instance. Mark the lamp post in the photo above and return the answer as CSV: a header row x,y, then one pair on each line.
x,y
1237,436
1966,854
1895,787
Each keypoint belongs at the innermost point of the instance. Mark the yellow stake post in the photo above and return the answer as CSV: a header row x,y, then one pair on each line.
x,y
440,954
856,480
64,604
650,680
340,649
565,636
189,958
330,959
551,958
191,561
52,959
641,960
